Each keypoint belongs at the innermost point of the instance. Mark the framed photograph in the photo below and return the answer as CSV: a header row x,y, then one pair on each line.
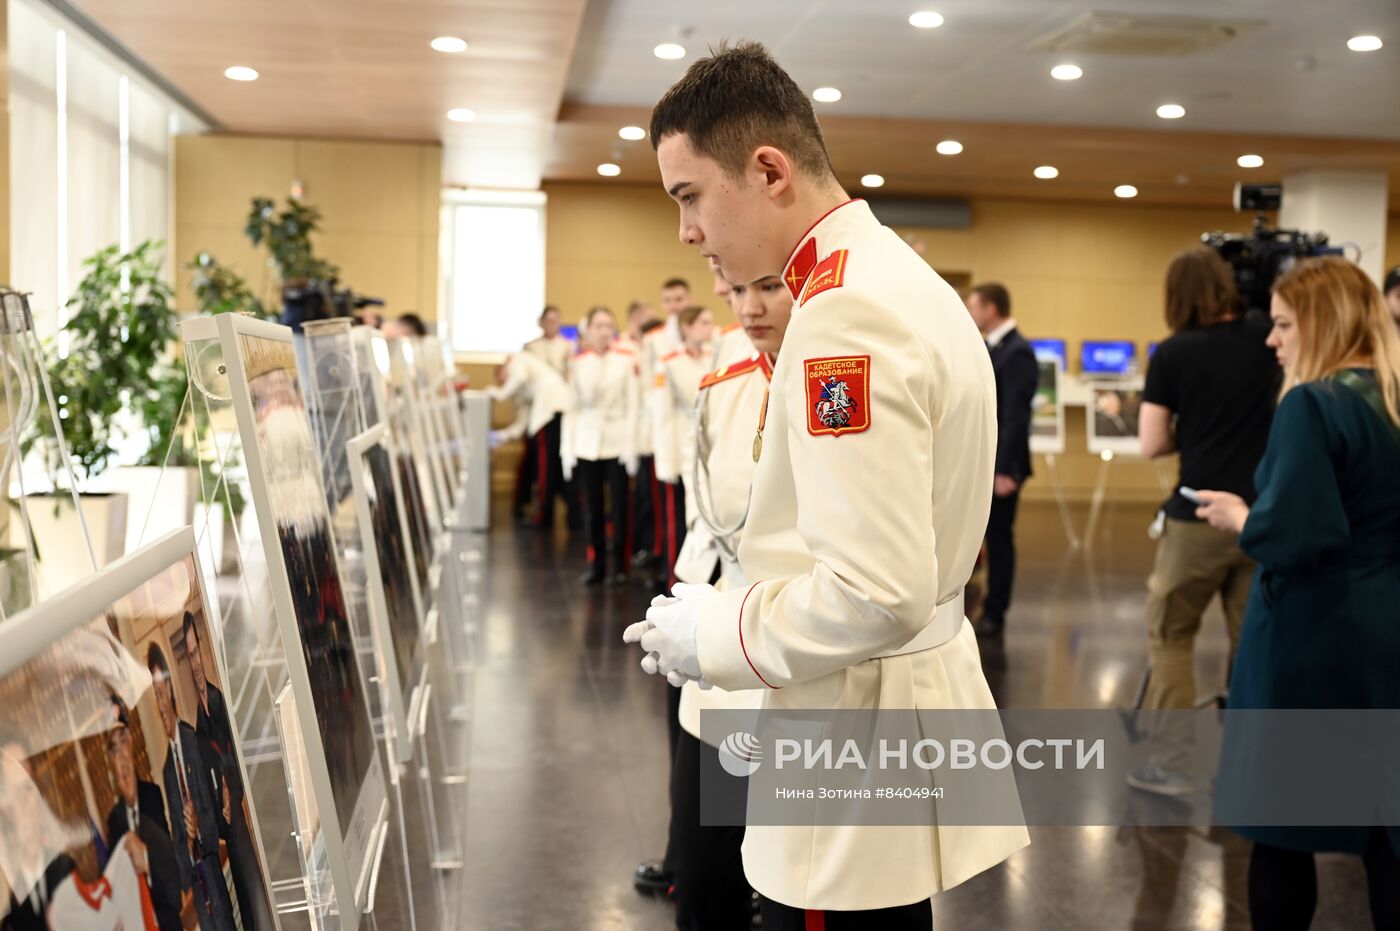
x,y
1048,409
416,425
284,477
393,580
1113,418
122,776
373,362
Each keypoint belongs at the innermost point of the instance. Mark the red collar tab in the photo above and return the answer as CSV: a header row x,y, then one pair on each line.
x,y
766,364
805,259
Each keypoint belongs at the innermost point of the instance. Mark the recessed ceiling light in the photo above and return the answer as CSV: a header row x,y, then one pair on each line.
x,y
949,147
240,73
872,181
925,19
669,51
1365,43
461,115
1125,191
609,170
1066,72
632,133
826,95
449,44
1250,161
1171,111
1046,172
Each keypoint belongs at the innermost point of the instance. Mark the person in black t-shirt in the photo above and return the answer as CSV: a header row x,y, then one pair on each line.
x,y
1209,396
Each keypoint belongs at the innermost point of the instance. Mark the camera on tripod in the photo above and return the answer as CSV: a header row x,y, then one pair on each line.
x,y
321,300
1259,257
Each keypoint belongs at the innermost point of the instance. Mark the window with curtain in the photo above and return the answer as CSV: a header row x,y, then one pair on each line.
x,y
494,269
90,156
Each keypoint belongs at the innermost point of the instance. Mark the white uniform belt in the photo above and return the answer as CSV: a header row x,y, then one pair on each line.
x,y
947,621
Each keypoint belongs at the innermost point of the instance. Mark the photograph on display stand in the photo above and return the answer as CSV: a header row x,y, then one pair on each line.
x,y
1113,419
392,581
284,476
1047,410
122,801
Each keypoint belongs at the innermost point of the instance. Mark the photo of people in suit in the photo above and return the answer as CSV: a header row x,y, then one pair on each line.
x,y
121,800
391,548
293,486
1113,423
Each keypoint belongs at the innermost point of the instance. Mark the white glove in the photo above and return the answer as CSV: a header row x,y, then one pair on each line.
x,y
630,464
569,462
672,637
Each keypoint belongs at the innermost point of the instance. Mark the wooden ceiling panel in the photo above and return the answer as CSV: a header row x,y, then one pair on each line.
x,y
998,159
363,69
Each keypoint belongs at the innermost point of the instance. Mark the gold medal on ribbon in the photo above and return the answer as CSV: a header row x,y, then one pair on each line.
x,y
757,446
762,419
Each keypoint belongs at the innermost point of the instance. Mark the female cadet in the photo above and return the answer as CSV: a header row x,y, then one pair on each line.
x,y
711,891
679,374
599,442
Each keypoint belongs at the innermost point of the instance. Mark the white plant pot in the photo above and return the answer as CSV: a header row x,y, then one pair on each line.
x,y
58,535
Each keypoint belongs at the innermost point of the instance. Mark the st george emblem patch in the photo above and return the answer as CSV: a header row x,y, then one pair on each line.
x,y
838,395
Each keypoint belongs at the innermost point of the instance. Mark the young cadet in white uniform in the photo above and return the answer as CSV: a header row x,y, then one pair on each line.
x,y
640,318
678,379
551,346
711,891
541,397
657,345
870,498
598,443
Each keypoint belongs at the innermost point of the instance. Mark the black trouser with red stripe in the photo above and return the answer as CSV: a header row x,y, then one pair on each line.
x,y
711,891
549,472
916,917
673,532
606,529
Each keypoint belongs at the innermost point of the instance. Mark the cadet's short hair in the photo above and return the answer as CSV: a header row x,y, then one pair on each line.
x,y
675,283
736,100
595,311
996,295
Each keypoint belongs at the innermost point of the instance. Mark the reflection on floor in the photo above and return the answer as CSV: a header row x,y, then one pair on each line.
x,y
567,774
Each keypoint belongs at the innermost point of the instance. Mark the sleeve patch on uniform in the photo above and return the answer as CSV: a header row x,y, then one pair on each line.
x,y
838,395
829,273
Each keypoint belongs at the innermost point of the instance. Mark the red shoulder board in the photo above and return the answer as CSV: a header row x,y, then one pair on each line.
x,y
829,273
838,395
729,371
624,350
730,329
670,355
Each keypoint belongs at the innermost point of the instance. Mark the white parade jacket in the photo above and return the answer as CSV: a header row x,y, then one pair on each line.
x,y
641,427
555,352
599,424
677,381
537,390
731,399
870,501
732,346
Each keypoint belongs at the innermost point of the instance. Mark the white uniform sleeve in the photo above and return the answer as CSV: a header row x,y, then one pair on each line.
x,y
865,513
663,416
634,400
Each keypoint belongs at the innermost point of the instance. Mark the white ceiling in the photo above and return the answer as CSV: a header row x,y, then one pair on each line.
x,y
1293,75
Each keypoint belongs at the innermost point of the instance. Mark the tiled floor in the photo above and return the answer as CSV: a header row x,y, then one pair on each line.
x,y
567,763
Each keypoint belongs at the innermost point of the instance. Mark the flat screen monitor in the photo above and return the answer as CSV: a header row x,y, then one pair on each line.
x,y
1051,349
1107,357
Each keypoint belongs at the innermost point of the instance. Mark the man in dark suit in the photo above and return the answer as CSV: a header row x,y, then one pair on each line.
x,y
189,796
1013,363
140,811
214,726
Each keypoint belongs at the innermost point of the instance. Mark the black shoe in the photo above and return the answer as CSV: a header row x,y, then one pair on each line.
x,y
989,628
653,878
640,558
616,580
592,578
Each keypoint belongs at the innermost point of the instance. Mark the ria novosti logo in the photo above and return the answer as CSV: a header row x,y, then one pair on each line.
x,y
741,754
